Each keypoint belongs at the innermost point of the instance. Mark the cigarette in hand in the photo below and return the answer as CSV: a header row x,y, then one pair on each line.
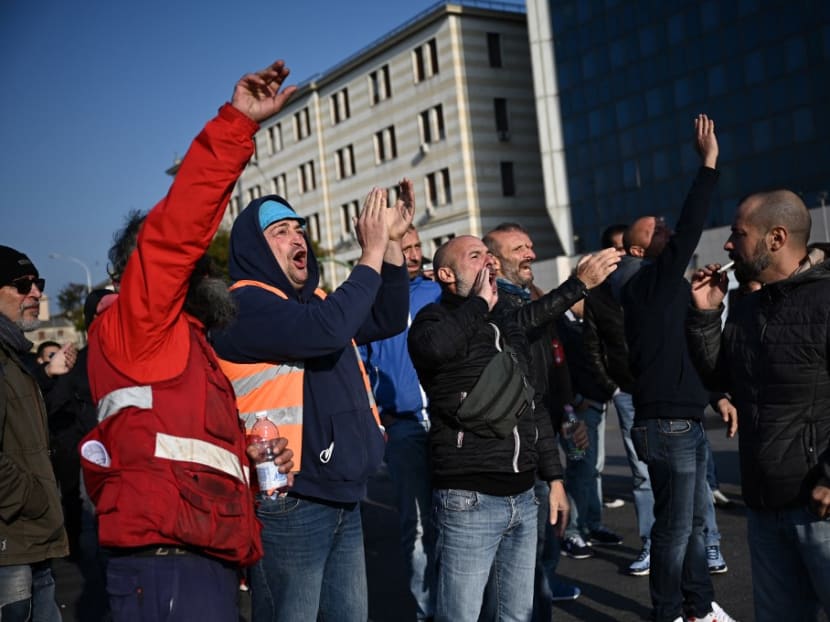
x,y
726,267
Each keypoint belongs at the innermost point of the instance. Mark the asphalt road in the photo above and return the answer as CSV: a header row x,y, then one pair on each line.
x,y
607,594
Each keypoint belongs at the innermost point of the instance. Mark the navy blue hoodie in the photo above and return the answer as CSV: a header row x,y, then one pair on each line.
x,y
342,444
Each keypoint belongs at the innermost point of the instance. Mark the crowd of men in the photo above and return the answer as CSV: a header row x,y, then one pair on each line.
x,y
461,383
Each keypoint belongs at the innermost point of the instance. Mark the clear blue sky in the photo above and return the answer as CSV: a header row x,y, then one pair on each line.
x,y
99,97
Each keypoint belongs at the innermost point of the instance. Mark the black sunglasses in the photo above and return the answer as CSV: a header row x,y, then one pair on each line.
x,y
24,284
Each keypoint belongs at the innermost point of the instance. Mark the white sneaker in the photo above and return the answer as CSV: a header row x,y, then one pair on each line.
x,y
716,615
720,499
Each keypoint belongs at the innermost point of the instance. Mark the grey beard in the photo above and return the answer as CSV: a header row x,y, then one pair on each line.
x,y
209,301
27,325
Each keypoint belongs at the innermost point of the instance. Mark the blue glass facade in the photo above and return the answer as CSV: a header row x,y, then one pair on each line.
x,y
633,74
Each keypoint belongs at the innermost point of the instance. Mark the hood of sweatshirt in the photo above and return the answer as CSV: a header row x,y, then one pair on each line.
x,y
251,258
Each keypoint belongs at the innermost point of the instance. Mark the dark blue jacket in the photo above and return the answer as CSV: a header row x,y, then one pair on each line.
x,y
394,380
655,302
342,445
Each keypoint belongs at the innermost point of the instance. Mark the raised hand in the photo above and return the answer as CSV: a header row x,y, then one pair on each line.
x,y
594,269
705,141
258,95
372,228
709,287
400,216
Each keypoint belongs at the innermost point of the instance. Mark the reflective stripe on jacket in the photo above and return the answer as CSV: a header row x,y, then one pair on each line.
x,y
276,388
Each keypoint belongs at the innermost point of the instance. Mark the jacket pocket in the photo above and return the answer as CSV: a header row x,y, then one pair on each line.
x,y
346,447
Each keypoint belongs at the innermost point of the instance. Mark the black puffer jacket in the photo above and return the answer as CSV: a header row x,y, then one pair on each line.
x,y
604,337
774,359
450,343
538,319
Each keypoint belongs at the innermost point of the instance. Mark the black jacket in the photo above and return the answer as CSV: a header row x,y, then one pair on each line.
x,y
538,319
450,343
655,301
774,359
603,333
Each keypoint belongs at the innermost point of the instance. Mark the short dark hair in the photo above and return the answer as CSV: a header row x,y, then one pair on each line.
x,y
505,227
606,240
46,344
782,207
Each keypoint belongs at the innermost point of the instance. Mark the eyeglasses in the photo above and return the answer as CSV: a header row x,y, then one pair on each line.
x,y
24,285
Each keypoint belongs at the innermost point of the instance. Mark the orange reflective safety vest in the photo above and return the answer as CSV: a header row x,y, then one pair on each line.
x,y
277,388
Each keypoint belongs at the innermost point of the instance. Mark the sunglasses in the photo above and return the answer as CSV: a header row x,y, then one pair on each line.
x,y
24,285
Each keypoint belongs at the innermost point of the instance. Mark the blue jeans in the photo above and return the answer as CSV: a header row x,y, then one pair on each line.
x,y
547,557
314,567
474,533
407,457
28,590
173,588
675,452
643,497
582,477
790,555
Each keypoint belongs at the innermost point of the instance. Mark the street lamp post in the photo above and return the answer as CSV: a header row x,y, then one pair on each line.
x,y
79,262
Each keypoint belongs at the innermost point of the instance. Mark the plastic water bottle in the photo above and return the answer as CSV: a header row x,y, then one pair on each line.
x,y
574,453
265,434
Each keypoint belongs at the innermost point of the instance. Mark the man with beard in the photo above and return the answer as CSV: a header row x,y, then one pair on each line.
x,y
484,507
291,353
166,465
402,404
31,523
512,247
772,358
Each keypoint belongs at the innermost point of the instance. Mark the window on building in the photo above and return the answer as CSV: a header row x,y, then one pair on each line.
x,y
348,212
275,138
340,106
380,86
502,123
431,124
508,181
233,207
302,125
494,49
438,188
313,227
386,147
344,162
280,185
425,60
254,192
306,177
442,239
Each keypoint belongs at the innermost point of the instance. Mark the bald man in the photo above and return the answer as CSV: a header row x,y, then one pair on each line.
x,y
669,397
772,358
484,508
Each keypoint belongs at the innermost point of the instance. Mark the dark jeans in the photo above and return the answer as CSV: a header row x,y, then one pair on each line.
x,y
675,452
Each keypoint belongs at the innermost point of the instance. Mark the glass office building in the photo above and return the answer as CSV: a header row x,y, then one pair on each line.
x,y
632,75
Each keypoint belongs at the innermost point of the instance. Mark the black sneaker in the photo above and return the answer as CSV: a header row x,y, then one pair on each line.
x,y
604,537
575,547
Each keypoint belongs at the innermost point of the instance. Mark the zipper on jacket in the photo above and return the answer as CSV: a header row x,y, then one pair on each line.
x,y
459,439
518,445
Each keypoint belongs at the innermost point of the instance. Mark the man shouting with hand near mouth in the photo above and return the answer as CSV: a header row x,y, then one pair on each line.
x,y
483,467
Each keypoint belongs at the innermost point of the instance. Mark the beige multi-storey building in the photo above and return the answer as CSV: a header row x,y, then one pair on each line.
x,y
446,100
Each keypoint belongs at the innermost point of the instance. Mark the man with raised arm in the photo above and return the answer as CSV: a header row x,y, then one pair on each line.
x,y
292,353
669,397
166,465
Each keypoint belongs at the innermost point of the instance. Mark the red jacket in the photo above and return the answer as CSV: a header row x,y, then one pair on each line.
x,y
177,471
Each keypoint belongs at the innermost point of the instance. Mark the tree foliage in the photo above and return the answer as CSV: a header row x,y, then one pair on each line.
x,y
71,303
